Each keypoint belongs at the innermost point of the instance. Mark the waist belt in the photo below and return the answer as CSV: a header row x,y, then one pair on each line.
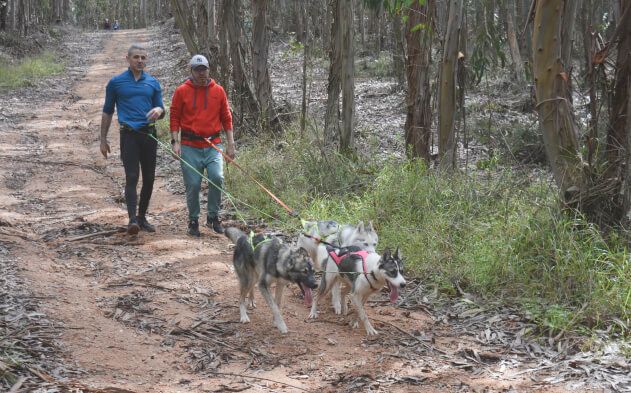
x,y
149,129
188,135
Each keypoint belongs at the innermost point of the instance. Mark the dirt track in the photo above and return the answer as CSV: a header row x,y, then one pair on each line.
x,y
158,313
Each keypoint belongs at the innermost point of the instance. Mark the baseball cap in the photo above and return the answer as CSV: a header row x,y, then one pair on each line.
x,y
198,60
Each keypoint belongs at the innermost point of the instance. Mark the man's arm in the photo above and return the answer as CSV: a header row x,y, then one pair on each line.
x,y
231,148
106,121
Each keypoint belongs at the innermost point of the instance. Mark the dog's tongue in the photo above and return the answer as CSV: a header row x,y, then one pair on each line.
x,y
308,298
394,293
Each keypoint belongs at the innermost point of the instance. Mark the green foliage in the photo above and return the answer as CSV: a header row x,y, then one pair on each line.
x,y
502,236
23,74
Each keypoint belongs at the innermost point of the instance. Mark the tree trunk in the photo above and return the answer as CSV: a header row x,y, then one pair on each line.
x,y
243,90
224,54
418,120
21,17
260,48
331,118
447,90
348,76
560,133
591,137
619,133
361,26
398,51
4,8
305,62
184,20
512,41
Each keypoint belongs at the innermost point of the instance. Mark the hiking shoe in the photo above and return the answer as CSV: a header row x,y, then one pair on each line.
x,y
144,225
193,228
213,222
133,227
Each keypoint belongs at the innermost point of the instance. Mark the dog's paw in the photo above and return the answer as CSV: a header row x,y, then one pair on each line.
x,y
283,328
371,331
313,315
354,324
252,304
245,319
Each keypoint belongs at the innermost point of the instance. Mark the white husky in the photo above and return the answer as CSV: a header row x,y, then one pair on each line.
x,y
363,236
364,273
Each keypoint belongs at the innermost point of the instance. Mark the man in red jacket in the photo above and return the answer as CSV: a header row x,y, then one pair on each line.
x,y
199,111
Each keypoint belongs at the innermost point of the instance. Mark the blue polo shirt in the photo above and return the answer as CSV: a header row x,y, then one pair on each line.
x,y
132,98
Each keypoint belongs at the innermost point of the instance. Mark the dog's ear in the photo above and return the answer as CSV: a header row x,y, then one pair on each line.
x,y
398,255
360,226
370,226
386,254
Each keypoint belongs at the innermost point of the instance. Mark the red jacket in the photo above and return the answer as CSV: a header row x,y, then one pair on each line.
x,y
202,110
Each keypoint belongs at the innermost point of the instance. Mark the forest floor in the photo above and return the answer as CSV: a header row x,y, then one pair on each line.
x,y
99,311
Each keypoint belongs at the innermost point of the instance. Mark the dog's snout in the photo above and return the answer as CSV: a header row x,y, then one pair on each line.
x,y
402,285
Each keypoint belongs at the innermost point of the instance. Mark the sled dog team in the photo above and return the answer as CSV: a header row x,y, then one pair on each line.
x,y
347,258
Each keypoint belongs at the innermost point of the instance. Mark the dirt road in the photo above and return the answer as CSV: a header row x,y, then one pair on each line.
x,y
158,313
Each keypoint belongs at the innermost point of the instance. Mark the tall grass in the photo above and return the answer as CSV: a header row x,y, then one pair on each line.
x,y
21,75
500,236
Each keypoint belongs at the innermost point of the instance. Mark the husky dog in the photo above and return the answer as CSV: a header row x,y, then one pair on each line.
x,y
364,237
360,236
313,232
266,260
364,273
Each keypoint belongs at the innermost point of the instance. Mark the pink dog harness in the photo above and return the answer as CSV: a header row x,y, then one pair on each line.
x,y
339,258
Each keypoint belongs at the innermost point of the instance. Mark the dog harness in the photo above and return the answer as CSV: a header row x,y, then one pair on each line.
x,y
340,254
251,240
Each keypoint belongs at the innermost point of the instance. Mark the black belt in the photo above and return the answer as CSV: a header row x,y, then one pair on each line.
x,y
149,129
191,136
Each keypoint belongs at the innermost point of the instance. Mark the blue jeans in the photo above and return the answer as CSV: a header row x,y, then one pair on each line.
x,y
200,159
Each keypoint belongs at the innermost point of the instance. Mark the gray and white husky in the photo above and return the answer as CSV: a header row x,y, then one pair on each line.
x,y
363,273
313,231
264,260
362,236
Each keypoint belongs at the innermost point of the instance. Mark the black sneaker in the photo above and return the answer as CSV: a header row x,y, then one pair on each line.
x,y
213,222
144,225
193,228
133,227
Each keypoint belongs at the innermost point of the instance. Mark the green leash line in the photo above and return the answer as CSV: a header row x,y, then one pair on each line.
x,y
230,197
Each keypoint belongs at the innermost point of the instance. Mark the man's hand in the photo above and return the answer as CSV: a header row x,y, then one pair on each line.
x,y
177,150
231,151
105,148
154,113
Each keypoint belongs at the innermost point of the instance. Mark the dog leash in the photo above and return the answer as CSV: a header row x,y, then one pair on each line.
x,y
319,240
291,212
230,197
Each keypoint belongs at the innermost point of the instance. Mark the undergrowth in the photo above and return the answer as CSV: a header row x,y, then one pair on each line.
x,y
500,236
14,76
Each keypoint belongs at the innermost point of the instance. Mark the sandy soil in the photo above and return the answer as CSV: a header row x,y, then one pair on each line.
x,y
158,312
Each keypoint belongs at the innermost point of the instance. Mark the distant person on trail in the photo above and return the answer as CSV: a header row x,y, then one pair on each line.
x,y
137,97
106,24
116,25
199,110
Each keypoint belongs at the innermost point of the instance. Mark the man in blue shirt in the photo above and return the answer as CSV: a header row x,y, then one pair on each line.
x,y
137,98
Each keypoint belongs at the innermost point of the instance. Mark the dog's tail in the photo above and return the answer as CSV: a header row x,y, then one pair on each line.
x,y
234,234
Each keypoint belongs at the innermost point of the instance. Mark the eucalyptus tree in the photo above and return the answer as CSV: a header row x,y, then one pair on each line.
x,y
560,131
447,87
260,48
418,37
